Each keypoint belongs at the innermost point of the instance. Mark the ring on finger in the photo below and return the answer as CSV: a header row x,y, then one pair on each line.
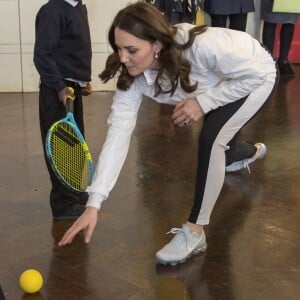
x,y
186,122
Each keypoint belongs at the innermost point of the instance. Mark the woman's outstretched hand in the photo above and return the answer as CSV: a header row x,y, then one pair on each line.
x,y
87,221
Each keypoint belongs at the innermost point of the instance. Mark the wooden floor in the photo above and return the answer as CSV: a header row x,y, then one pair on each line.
x,y
254,235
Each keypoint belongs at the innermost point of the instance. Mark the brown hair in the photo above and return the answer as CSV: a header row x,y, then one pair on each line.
x,y
146,22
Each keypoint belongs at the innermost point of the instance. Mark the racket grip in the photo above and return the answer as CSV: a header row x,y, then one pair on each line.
x,y
70,99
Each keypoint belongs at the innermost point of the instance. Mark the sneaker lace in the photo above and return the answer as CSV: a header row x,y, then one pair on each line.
x,y
246,165
180,236
260,152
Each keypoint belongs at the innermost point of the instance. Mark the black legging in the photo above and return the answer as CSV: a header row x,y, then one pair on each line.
x,y
218,126
236,21
286,37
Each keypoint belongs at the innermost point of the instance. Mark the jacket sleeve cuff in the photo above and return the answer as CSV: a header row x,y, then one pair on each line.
x,y
95,200
203,104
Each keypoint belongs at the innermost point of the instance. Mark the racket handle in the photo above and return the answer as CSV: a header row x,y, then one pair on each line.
x,y
70,100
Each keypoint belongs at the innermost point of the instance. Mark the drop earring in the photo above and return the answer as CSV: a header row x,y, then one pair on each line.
x,y
156,55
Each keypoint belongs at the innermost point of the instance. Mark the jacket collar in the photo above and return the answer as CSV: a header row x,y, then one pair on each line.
x,y
72,2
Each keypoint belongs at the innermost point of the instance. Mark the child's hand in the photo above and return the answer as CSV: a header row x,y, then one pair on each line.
x,y
65,93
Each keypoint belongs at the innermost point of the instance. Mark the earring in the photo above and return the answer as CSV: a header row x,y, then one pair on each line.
x,y
156,55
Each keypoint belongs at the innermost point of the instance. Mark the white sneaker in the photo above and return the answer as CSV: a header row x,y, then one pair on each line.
x,y
238,165
184,244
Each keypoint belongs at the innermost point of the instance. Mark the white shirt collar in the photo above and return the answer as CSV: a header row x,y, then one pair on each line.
x,y
72,2
150,76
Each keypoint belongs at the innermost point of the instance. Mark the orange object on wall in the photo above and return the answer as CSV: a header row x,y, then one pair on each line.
x,y
294,55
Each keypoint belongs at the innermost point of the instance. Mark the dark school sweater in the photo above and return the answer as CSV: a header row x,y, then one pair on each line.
x,y
62,44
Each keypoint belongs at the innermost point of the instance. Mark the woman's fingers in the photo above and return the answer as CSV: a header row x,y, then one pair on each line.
x,y
69,235
89,233
87,220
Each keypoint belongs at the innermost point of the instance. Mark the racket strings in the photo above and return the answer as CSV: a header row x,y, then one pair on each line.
x,y
70,156
66,136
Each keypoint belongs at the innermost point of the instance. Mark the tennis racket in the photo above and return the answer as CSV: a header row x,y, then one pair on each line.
x,y
68,152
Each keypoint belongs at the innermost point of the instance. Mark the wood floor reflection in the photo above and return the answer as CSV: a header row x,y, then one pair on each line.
x,y
253,239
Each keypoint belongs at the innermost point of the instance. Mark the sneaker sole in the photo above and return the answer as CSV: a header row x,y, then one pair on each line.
x,y
175,262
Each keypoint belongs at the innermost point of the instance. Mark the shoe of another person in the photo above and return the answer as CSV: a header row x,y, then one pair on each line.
x,y
286,69
71,213
238,165
184,244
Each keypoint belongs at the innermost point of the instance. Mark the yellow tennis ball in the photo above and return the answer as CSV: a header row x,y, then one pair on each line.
x,y
31,281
